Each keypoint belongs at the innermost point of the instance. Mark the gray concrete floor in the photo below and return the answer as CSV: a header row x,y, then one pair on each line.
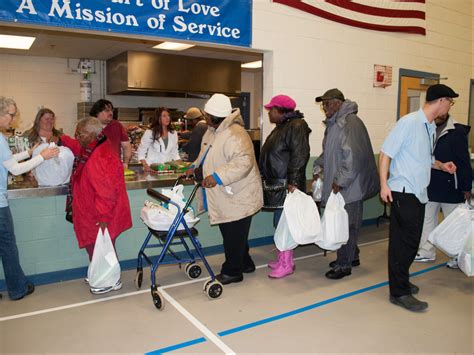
x,y
66,318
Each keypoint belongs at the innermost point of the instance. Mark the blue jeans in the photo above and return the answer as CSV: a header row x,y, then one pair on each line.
x,y
14,276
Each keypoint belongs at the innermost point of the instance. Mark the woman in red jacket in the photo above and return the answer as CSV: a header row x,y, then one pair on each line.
x,y
98,194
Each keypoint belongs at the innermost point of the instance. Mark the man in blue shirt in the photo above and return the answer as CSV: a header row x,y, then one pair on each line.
x,y
410,147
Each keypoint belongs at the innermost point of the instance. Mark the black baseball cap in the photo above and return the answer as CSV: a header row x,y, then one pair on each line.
x,y
331,94
438,91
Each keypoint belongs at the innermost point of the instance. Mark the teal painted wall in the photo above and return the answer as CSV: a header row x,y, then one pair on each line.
x,y
47,243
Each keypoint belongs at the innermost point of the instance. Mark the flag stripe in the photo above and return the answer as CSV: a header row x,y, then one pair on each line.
x,y
376,11
393,5
347,21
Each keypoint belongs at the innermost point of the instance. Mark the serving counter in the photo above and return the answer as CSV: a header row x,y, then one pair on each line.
x,y
47,243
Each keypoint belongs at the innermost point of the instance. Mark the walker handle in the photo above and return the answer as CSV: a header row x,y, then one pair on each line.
x,y
158,195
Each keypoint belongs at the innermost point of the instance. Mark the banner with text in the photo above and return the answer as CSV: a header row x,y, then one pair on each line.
x,y
217,21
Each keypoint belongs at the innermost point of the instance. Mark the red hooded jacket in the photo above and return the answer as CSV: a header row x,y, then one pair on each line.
x,y
99,194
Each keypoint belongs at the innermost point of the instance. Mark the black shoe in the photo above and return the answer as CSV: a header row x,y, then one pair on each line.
x,y
338,273
414,289
355,263
249,269
409,302
30,288
227,279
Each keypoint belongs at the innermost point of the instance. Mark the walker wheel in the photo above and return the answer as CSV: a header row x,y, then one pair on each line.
x,y
192,270
139,279
214,289
158,299
204,289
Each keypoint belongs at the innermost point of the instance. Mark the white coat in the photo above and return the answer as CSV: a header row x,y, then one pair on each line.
x,y
154,151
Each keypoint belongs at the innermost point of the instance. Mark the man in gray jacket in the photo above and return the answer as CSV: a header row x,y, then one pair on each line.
x,y
348,165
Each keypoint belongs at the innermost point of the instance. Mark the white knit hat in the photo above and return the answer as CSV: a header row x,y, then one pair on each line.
x,y
218,105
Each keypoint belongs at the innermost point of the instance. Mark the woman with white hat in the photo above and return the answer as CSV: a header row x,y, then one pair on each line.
x,y
232,188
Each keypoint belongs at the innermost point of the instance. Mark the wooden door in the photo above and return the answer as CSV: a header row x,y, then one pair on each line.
x,y
412,94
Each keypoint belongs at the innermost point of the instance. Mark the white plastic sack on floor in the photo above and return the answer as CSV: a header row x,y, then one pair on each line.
x,y
55,171
451,234
466,258
334,224
104,269
302,217
283,239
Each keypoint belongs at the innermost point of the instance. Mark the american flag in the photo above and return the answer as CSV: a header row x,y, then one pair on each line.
x,y
379,15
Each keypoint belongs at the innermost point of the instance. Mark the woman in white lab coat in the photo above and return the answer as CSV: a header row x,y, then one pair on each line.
x,y
159,144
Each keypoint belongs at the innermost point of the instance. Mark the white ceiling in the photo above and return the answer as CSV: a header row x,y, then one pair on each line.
x,y
64,44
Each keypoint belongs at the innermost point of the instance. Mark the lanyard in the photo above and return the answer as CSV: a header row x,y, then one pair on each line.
x,y
431,138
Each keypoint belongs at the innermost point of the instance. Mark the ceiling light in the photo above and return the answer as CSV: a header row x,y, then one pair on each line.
x,y
173,46
16,42
252,65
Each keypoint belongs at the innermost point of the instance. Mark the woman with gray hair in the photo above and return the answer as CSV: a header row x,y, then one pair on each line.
x,y
98,197
18,285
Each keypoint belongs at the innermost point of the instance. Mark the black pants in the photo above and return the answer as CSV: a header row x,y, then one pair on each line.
x,y
236,247
406,225
350,251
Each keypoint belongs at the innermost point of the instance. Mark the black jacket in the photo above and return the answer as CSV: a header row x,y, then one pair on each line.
x,y
451,146
284,157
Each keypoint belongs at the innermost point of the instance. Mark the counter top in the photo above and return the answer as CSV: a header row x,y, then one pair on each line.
x,y
27,187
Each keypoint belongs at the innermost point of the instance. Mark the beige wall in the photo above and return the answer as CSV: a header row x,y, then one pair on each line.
x,y
308,55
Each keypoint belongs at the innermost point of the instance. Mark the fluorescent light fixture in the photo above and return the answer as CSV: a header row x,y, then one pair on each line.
x,y
16,42
252,65
173,46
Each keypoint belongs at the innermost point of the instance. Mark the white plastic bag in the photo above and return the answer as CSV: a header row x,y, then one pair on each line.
x,y
302,217
317,188
55,171
104,269
451,234
176,195
160,217
283,239
466,258
334,224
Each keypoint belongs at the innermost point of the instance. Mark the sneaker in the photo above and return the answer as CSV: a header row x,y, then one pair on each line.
x,y
102,290
86,280
453,263
423,259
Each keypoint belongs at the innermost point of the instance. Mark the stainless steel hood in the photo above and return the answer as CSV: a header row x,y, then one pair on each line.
x,y
156,74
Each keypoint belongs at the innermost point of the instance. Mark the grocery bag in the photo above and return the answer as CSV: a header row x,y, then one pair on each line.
x,y
317,188
56,171
451,235
283,239
466,258
302,217
104,269
334,224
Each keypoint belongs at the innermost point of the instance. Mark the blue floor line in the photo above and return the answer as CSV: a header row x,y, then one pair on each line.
x,y
290,313
177,346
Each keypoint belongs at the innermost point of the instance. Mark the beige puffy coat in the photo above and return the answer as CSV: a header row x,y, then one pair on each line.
x,y
231,156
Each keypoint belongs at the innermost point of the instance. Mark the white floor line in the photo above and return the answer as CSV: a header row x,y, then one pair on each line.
x,y
201,327
74,305
135,293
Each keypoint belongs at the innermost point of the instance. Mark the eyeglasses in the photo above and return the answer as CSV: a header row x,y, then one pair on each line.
x,y
451,101
81,134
